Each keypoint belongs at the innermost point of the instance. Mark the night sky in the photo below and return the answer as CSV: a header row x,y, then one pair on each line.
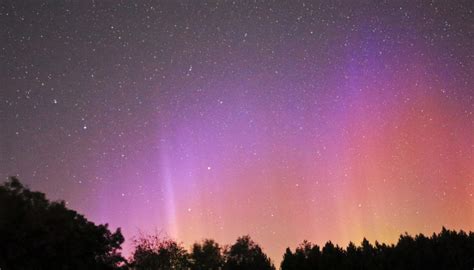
x,y
285,120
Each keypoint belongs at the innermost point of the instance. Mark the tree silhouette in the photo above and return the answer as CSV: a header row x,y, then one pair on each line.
x,y
206,256
289,260
332,257
446,250
307,256
38,234
155,253
353,258
245,254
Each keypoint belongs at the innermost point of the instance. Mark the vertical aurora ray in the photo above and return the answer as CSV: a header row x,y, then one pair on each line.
x,y
169,205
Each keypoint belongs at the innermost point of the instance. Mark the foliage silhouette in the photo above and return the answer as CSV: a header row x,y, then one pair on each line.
x,y
155,253
246,254
206,256
38,234
447,250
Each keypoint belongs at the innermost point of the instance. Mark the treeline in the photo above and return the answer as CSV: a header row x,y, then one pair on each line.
x,y
38,234
446,250
153,252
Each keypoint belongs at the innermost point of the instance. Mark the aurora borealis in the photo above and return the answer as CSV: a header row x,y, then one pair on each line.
x,y
285,120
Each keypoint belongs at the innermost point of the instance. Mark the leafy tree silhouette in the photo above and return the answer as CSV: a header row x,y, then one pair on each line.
x,y
446,250
155,253
245,254
307,256
289,260
206,256
38,234
332,257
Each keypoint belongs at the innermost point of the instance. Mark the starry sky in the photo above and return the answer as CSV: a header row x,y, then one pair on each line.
x,y
285,120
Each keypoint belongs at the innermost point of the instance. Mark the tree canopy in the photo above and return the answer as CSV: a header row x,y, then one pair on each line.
x,y
246,254
206,256
445,250
36,233
155,253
